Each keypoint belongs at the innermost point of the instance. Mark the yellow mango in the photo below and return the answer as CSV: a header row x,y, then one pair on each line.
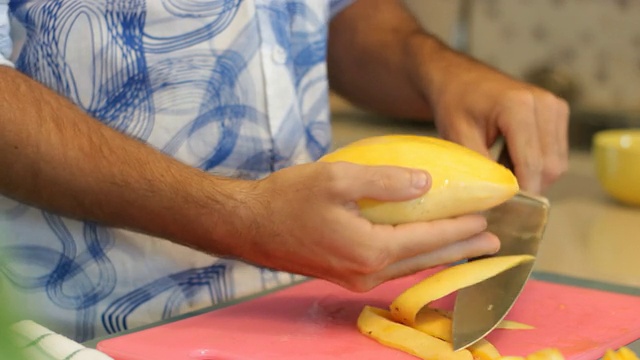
x,y
378,325
546,354
438,323
411,326
514,325
611,355
484,350
463,181
435,323
626,354
406,306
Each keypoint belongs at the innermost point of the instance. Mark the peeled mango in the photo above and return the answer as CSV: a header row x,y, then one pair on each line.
x,y
463,181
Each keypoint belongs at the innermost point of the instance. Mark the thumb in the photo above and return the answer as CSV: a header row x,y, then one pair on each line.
x,y
389,183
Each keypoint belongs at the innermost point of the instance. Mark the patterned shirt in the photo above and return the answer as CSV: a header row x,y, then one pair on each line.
x,y
234,87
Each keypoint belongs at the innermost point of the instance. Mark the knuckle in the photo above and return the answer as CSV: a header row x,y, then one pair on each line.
x,y
555,103
564,109
547,98
361,284
534,163
369,263
563,105
334,176
333,170
554,170
520,98
381,180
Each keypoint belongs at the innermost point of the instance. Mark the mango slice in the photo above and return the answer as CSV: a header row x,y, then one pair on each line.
x,y
378,325
463,181
622,354
625,354
611,355
406,306
484,350
438,323
411,326
435,323
514,325
546,354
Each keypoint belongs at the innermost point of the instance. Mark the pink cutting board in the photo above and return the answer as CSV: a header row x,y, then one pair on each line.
x,y
317,320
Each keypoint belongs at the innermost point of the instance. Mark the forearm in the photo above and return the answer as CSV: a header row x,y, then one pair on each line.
x,y
380,58
56,157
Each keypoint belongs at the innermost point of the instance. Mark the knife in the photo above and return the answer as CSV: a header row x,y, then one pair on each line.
x,y
519,223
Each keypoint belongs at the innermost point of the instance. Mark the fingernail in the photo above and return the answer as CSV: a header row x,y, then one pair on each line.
x,y
419,179
495,243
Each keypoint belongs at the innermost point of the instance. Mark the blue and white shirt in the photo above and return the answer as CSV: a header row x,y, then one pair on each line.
x,y
234,87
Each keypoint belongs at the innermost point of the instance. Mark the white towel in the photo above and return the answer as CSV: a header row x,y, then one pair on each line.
x,y
39,343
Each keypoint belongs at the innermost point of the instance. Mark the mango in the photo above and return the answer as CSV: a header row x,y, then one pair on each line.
x,y
626,354
484,350
378,324
623,353
546,354
411,326
611,355
463,181
438,323
406,306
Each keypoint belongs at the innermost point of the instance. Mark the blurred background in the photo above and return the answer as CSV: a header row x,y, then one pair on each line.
x,y
587,51
9,313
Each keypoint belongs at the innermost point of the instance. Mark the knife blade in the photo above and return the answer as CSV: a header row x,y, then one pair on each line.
x,y
519,223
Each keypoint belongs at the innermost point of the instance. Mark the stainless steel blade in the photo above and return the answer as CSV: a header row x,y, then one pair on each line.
x,y
519,224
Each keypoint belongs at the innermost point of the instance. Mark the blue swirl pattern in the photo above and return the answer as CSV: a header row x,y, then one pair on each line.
x,y
234,87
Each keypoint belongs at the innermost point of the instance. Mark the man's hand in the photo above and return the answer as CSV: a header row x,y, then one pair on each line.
x,y
380,58
305,220
474,105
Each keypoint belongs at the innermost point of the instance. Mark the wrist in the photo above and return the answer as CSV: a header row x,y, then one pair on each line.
x,y
432,64
218,215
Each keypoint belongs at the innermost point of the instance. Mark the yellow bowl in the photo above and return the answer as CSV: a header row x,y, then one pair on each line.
x,y
617,160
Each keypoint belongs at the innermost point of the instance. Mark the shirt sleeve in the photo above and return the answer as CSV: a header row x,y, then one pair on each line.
x,y
5,34
335,6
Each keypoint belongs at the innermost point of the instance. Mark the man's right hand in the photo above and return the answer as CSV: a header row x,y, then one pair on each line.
x,y
304,219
